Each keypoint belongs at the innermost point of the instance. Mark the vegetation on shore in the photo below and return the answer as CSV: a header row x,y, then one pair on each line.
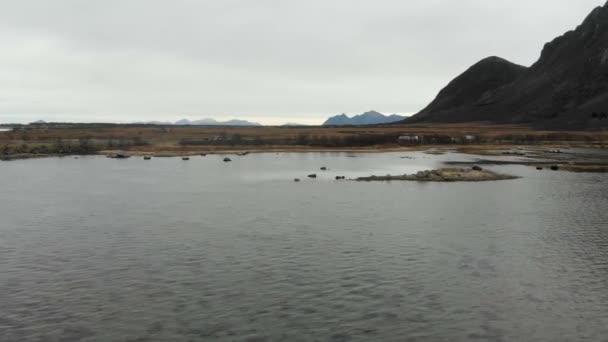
x,y
67,139
601,168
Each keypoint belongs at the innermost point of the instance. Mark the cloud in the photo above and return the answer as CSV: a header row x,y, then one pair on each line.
x,y
128,60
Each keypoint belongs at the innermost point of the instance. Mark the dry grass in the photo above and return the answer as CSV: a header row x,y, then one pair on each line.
x,y
584,168
167,139
180,132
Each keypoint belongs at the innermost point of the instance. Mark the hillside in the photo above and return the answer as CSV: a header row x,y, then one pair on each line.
x,y
367,118
566,87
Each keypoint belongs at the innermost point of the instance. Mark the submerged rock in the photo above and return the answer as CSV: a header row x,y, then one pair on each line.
x,y
434,152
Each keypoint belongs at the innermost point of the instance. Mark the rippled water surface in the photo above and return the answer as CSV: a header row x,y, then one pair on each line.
x,y
97,249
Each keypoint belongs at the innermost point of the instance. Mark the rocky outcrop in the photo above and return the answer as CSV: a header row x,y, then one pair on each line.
x,y
443,175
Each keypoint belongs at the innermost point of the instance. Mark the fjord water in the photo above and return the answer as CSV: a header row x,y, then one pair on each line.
x,y
97,249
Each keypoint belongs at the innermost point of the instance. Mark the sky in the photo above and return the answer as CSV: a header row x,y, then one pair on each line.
x,y
270,61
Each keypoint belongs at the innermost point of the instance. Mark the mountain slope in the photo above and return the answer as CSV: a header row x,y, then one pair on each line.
x,y
338,120
367,118
563,88
475,87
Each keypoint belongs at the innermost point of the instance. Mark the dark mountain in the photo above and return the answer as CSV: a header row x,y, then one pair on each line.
x,y
475,87
566,87
368,118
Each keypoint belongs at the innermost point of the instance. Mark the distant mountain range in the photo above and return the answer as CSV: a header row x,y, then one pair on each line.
x,y
566,88
203,122
368,118
293,124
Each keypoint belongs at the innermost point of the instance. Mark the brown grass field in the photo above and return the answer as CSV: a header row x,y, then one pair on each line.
x,y
147,139
168,133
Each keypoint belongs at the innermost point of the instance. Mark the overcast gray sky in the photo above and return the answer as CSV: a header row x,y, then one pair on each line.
x,y
271,61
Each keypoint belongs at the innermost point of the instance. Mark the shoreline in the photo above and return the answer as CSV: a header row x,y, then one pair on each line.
x,y
472,138
540,156
479,150
173,153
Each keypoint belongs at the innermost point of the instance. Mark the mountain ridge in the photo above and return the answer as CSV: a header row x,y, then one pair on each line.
x,y
371,117
564,88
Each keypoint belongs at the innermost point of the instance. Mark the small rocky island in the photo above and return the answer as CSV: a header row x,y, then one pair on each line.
x,y
475,174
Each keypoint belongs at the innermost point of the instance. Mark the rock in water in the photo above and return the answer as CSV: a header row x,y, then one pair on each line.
x,y
443,175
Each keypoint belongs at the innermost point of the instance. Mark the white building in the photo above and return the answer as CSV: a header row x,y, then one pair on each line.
x,y
410,139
